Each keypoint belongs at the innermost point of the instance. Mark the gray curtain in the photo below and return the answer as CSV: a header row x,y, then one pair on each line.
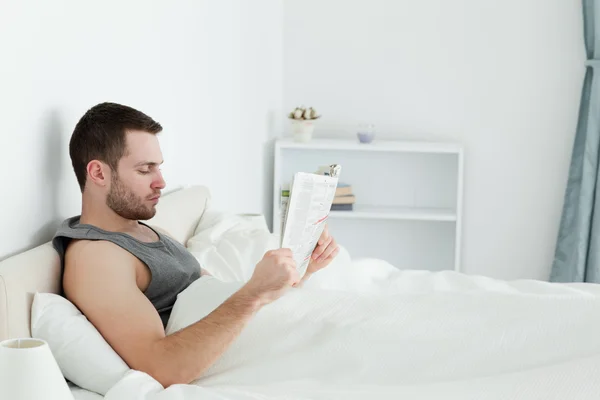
x,y
577,254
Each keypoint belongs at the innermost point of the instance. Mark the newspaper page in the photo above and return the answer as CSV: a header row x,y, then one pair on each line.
x,y
305,208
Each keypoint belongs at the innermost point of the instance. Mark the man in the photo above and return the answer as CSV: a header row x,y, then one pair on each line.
x,y
125,276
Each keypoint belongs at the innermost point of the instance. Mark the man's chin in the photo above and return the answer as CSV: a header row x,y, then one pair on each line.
x,y
138,216
148,215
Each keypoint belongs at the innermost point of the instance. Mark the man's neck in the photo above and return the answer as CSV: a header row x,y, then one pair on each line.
x,y
105,218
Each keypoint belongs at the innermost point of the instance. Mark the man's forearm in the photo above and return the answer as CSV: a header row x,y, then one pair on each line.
x,y
186,354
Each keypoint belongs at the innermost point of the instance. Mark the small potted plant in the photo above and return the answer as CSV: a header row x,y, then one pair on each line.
x,y
303,123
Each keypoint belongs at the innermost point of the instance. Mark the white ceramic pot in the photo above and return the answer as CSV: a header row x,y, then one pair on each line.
x,y
302,130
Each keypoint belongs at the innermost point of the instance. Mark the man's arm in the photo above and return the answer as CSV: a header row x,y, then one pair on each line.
x,y
106,291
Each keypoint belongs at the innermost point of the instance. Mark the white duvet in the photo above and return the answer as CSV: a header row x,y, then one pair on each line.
x,y
362,329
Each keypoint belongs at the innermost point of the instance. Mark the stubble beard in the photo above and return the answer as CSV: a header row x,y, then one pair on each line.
x,y
126,204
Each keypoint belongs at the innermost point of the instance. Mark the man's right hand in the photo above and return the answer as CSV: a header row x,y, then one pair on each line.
x,y
273,275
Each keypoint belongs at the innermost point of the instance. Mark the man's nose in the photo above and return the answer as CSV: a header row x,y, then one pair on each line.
x,y
159,182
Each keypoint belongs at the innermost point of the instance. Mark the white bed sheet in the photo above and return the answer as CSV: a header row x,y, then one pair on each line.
x,y
444,335
82,394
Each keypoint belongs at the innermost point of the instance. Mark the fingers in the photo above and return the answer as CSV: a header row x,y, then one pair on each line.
x,y
282,257
321,248
335,252
285,253
294,278
284,261
280,253
324,235
324,241
289,266
329,251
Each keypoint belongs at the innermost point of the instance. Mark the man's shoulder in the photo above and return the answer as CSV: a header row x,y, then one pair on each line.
x,y
67,224
90,246
92,262
89,252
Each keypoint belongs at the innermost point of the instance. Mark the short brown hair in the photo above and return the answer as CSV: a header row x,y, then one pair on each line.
x,y
100,135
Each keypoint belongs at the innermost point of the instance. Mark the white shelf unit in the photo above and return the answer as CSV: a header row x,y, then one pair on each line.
x,y
408,207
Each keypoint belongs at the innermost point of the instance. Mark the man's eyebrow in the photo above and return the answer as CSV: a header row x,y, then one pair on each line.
x,y
148,163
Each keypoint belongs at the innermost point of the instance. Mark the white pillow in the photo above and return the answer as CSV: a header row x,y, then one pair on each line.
x,y
229,246
198,300
82,354
178,212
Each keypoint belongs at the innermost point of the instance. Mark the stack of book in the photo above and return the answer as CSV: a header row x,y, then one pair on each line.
x,y
344,198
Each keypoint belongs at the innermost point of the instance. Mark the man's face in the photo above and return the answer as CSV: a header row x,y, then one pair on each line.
x,y
135,186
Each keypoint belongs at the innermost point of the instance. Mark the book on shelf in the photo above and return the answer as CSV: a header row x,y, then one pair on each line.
x,y
342,207
346,199
343,189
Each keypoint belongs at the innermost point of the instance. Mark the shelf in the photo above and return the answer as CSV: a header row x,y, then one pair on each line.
x,y
376,145
396,213
410,196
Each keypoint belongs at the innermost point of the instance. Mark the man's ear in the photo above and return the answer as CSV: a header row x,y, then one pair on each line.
x,y
98,173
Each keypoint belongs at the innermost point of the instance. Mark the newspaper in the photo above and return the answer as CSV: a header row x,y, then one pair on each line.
x,y
305,206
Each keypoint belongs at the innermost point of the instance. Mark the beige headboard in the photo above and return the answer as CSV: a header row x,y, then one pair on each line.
x,y
38,269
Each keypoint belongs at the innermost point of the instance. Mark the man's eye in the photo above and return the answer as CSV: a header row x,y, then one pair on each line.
x,y
144,172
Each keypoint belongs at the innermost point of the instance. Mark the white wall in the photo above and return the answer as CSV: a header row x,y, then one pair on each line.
x,y
209,71
498,76
503,77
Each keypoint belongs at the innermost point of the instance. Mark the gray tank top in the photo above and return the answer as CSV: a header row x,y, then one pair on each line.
x,y
172,266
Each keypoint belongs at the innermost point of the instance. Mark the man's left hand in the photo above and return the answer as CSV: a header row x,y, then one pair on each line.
x,y
324,253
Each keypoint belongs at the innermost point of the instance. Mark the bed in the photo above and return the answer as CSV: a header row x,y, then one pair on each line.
x,y
361,328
